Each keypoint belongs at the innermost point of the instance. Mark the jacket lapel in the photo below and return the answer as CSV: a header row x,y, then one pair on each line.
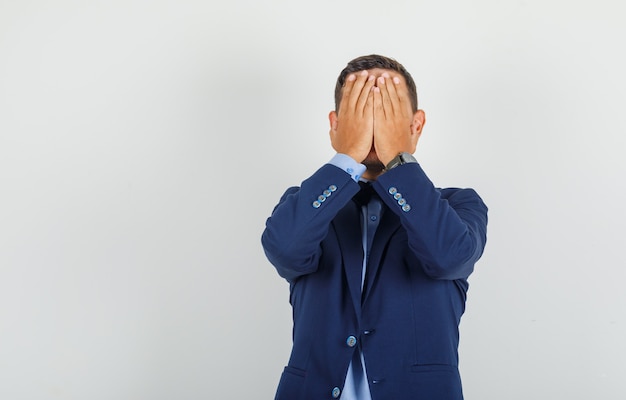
x,y
389,223
348,227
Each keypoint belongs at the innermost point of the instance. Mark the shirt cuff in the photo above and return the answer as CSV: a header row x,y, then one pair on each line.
x,y
348,164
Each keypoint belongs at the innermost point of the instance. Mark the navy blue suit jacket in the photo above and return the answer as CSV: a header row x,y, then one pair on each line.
x,y
406,319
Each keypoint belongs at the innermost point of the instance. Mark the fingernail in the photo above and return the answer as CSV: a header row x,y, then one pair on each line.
x,y
371,78
351,77
385,74
363,73
396,80
376,89
381,80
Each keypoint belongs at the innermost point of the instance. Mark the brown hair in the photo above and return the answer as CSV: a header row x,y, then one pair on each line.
x,y
370,62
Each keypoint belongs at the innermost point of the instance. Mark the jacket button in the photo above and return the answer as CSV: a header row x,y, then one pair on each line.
x,y
406,208
351,341
393,190
336,392
316,204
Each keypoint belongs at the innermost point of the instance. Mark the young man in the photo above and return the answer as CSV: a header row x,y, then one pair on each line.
x,y
377,258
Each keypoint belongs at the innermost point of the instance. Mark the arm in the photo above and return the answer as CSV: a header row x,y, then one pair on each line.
x,y
446,229
300,221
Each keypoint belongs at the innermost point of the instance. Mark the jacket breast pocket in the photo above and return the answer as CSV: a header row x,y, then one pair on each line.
x,y
291,386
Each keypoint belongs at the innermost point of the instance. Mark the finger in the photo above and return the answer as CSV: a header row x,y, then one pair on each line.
x,y
357,89
366,96
396,98
386,100
377,100
400,93
347,89
379,116
393,95
368,107
368,114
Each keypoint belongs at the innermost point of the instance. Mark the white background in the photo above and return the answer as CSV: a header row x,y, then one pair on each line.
x,y
143,144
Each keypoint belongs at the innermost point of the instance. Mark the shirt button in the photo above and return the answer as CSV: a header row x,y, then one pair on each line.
x,y
351,341
349,170
373,217
336,392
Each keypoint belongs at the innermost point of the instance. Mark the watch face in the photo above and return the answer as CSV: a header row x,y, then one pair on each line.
x,y
406,158
400,159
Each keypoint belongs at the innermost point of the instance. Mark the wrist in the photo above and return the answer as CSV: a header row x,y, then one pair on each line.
x,y
400,159
349,165
386,158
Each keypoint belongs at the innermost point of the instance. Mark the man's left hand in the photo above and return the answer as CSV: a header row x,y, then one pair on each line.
x,y
395,129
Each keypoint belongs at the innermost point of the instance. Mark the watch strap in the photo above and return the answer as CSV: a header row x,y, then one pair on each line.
x,y
400,159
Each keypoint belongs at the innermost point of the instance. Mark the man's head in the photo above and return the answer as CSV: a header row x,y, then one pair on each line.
x,y
375,61
376,115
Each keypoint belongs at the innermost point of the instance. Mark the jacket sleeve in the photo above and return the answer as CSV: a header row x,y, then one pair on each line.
x,y
300,221
446,229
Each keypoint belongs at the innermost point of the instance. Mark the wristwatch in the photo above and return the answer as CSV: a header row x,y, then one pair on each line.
x,y
402,158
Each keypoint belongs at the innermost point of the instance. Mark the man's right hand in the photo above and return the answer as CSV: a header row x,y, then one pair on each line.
x,y
352,128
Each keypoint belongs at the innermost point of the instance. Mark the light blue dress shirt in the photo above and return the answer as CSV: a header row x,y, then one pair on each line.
x,y
348,164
